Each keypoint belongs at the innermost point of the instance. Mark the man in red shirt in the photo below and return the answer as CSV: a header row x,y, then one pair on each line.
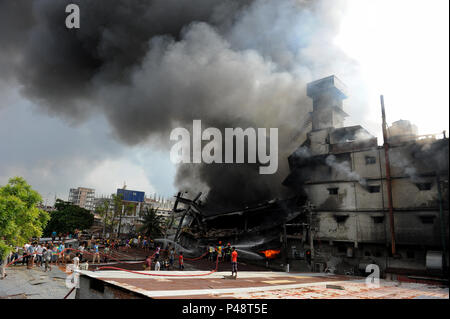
x,y
234,256
180,261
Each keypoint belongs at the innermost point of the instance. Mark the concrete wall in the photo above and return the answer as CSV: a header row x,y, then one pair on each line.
x,y
91,288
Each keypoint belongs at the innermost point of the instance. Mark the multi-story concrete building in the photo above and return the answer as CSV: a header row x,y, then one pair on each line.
x,y
83,197
342,171
162,206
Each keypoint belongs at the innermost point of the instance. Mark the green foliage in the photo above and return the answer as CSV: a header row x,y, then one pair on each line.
x,y
20,219
68,217
151,223
102,209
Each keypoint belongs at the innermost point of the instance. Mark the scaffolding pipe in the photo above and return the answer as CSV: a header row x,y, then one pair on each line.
x,y
388,177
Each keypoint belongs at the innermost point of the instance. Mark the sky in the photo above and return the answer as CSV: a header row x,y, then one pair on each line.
x,y
402,50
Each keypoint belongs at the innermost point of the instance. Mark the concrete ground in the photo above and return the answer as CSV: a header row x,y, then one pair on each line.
x,y
23,283
263,285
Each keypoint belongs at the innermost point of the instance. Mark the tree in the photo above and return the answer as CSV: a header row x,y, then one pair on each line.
x,y
69,217
151,223
20,219
118,206
103,210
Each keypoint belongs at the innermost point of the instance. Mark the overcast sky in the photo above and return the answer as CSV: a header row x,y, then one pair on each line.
x,y
53,155
401,47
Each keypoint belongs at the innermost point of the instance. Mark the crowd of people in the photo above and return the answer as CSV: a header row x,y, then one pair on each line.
x,y
53,252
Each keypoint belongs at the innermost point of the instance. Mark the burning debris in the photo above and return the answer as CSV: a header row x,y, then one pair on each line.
x,y
270,253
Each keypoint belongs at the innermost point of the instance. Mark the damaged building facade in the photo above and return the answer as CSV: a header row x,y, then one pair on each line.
x,y
345,209
342,172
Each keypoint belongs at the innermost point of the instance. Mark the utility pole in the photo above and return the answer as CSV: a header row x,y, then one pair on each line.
x,y
441,218
388,176
311,236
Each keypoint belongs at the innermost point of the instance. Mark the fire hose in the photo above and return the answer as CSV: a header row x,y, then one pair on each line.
x,y
126,270
117,268
163,275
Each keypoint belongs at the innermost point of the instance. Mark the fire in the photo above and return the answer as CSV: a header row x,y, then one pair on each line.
x,y
270,253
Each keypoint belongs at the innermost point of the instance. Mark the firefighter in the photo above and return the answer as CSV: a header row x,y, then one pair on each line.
x,y
228,252
219,250
234,256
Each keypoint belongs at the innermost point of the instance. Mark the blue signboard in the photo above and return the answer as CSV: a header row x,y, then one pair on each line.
x,y
130,195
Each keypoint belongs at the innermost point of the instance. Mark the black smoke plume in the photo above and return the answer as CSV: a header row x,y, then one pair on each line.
x,y
152,65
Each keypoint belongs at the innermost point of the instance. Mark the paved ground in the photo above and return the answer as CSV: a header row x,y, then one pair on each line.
x,y
263,285
253,283
23,283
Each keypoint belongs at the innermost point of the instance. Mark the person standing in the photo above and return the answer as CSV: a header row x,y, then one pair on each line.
x,y
172,257
106,253
148,263
31,252
54,254
234,256
25,256
158,250
39,251
211,253
181,261
47,256
227,250
81,252
61,251
157,265
76,262
96,254
3,263
219,250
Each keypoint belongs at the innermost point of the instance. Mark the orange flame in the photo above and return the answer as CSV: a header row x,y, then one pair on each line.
x,y
270,253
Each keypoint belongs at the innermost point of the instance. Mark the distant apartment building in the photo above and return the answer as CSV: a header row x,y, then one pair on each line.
x,y
132,203
162,206
83,197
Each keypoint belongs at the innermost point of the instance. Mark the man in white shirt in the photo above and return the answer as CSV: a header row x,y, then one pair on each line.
x,y
76,261
39,251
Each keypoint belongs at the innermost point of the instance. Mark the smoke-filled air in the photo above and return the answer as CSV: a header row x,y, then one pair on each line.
x,y
149,66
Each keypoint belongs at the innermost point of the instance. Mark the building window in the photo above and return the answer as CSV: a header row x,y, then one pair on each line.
x,y
423,186
373,188
342,248
427,219
378,254
371,160
410,254
367,253
333,191
340,218
378,219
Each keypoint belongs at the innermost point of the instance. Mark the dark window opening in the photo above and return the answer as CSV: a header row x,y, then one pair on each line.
x,y
410,254
367,253
378,254
427,219
340,218
333,191
370,160
342,249
423,186
378,219
373,188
